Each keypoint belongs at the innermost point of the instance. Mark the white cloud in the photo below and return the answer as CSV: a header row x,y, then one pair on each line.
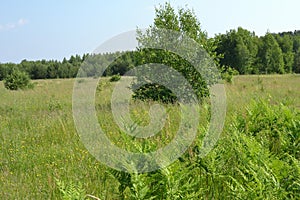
x,y
10,26
22,22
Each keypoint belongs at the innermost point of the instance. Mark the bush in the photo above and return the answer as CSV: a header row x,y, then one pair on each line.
x,y
155,92
228,73
148,87
17,80
115,78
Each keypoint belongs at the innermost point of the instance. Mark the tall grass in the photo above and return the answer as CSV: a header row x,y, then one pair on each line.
x,y
257,156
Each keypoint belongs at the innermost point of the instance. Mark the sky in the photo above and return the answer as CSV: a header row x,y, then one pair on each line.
x,y
54,29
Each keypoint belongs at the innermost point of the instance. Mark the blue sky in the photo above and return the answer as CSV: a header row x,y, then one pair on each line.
x,y
35,29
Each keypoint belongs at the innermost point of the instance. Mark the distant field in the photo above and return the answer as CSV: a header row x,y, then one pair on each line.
x,y
278,88
39,143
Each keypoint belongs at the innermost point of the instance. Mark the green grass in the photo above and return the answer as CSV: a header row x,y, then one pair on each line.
x,y
278,88
39,143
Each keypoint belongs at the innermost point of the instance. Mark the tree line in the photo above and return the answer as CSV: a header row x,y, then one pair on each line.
x,y
68,68
238,49
43,69
249,54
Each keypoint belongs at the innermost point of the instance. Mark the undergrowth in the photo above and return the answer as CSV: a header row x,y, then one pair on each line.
x,y
257,158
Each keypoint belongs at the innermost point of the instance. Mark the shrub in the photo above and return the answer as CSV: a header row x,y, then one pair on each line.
x,y
149,84
115,78
155,92
228,73
17,80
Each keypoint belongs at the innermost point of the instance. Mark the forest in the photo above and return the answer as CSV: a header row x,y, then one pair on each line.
x,y
240,49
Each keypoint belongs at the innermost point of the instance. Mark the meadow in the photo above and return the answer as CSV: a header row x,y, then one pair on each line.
x,y
257,155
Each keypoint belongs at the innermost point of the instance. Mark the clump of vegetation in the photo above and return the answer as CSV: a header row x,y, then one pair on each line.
x,y
155,92
71,191
17,80
259,152
115,78
187,29
275,127
228,73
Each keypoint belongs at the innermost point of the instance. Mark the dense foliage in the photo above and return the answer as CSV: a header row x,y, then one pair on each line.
x,y
17,80
257,158
175,33
250,54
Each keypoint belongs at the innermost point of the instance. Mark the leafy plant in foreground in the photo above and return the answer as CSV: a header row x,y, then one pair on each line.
x,y
71,191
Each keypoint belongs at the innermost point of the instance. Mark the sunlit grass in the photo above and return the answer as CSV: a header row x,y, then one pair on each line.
x,y
39,142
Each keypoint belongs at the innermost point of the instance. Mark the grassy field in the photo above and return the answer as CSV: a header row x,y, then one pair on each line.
x,y
40,150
